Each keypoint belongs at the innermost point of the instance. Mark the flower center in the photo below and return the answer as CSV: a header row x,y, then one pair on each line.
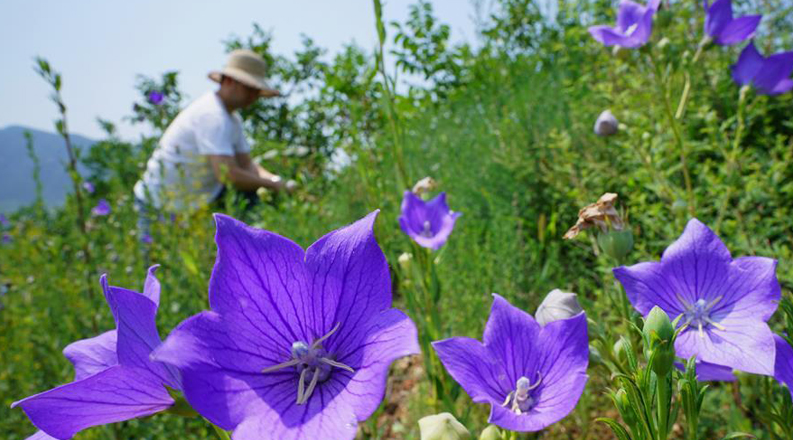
x,y
631,29
427,232
520,400
698,314
313,363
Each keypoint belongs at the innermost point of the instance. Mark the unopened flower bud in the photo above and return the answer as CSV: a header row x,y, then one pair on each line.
x,y
663,43
490,433
442,426
658,339
404,260
557,305
424,186
624,407
620,349
616,244
606,124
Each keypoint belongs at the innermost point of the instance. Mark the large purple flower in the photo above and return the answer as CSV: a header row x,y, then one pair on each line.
x,y
770,76
723,28
724,302
634,25
298,343
783,370
114,378
427,223
531,375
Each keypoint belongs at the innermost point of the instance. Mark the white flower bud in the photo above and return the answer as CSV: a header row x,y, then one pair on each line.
x,y
490,433
557,305
606,124
442,426
405,259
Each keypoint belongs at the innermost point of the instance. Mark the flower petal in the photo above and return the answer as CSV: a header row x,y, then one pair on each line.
x,y
750,62
151,288
113,395
751,290
137,331
215,370
646,287
739,30
349,280
745,345
783,368
40,435
90,356
628,14
259,283
480,374
710,372
718,16
610,36
519,355
563,357
776,69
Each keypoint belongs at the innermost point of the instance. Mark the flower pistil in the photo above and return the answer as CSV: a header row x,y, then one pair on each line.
x,y
698,314
311,361
521,399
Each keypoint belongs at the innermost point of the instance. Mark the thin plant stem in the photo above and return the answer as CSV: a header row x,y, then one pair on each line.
x,y
678,136
223,435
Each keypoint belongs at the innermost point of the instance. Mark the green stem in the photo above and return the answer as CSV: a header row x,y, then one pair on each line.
x,y
664,401
677,134
732,158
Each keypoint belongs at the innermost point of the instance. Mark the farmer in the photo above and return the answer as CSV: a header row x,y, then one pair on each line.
x,y
205,146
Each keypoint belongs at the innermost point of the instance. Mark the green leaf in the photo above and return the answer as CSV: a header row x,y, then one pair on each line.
x,y
619,431
733,435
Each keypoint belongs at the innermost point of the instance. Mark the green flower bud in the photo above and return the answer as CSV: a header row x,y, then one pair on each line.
x,y
404,260
658,339
616,244
442,426
624,407
490,433
620,348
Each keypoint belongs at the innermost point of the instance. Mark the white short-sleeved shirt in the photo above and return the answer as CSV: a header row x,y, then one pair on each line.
x,y
178,175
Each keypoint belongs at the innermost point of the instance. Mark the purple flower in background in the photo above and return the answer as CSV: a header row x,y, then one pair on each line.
x,y
155,97
88,186
531,375
770,76
114,378
7,238
298,343
724,302
427,223
634,25
101,208
4,221
146,239
723,28
783,370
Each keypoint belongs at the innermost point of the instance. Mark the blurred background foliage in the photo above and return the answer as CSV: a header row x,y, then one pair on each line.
x,y
504,125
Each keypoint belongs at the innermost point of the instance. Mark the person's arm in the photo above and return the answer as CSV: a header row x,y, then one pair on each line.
x,y
227,167
245,162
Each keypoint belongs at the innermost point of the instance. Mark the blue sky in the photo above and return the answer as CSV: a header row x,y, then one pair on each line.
x,y
101,45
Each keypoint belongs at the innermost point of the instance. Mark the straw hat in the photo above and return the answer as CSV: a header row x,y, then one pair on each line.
x,y
247,67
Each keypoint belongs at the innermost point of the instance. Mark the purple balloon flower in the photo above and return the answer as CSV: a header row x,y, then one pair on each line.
x,y
531,375
7,238
4,221
427,223
783,370
298,343
155,97
101,208
634,25
770,76
724,302
88,186
723,28
114,378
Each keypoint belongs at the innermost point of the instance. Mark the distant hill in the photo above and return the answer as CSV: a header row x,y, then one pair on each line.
x,y
16,169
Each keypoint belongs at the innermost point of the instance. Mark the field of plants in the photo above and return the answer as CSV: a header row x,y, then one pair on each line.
x,y
577,228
